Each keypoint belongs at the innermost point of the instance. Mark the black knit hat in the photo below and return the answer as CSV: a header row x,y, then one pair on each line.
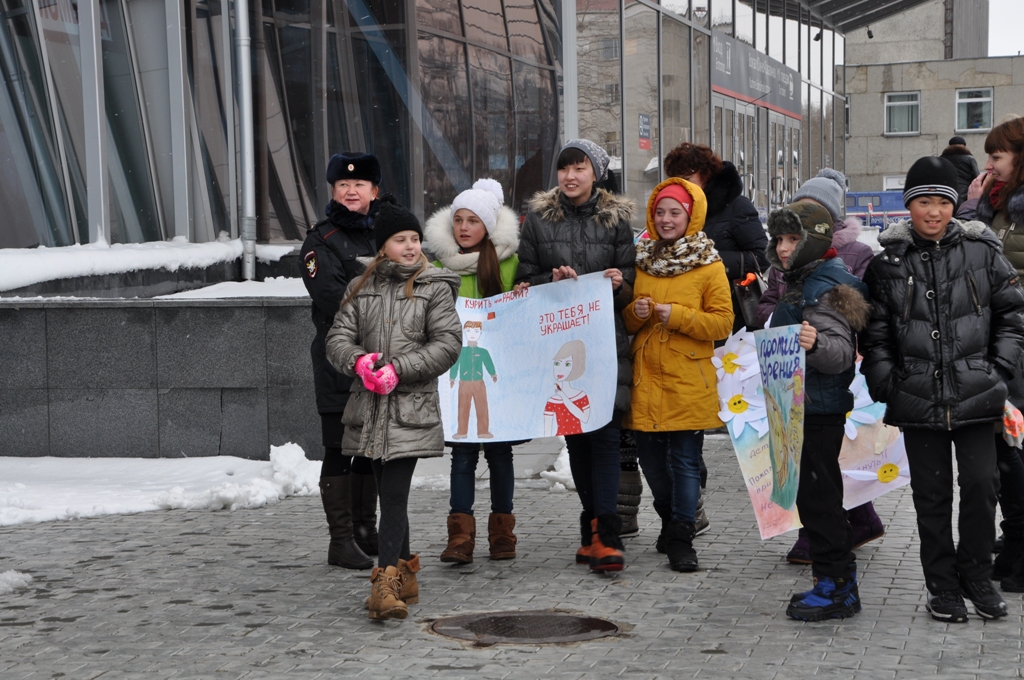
x,y
391,219
814,225
353,165
931,176
957,140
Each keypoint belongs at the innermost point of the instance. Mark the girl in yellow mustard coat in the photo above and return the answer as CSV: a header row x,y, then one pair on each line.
x,y
681,306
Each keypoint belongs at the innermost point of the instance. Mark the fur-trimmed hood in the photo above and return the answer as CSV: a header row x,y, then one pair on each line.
x,y
846,231
439,237
1014,207
902,233
723,188
955,150
849,302
607,208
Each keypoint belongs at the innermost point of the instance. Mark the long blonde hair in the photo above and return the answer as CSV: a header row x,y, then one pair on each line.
x,y
372,267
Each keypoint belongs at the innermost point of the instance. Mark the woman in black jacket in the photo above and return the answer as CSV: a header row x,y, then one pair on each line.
x,y
574,229
732,222
962,159
329,255
946,332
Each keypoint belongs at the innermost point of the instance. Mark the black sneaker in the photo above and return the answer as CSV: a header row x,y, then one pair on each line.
x,y
987,601
948,606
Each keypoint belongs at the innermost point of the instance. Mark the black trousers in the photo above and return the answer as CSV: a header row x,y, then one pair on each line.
x,y
1011,487
931,479
394,478
819,498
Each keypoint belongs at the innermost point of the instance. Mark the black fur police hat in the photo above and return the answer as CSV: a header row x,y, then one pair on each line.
x,y
391,219
353,165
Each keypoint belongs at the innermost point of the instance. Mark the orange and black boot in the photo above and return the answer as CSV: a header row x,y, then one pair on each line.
x,y
605,545
586,531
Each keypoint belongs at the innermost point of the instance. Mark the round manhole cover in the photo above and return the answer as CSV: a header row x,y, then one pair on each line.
x,y
536,628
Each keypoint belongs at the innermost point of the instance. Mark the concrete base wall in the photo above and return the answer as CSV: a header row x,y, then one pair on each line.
x,y
156,378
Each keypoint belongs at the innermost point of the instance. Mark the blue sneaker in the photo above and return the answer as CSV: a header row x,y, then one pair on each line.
x,y
796,597
831,598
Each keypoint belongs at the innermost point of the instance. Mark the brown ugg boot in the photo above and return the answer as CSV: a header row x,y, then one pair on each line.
x,y
384,602
410,592
500,536
336,494
461,538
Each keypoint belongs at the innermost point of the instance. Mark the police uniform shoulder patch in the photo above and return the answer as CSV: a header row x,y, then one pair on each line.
x,y
310,262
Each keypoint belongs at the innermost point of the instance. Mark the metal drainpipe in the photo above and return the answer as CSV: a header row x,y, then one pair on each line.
x,y
247,160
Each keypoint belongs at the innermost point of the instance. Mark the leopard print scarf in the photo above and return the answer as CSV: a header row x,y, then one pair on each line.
x,y
685,254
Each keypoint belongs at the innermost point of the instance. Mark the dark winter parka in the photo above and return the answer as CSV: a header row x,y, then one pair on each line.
x,y
1008,225
329,264
832,301
966,167
947,318
589,238
735,227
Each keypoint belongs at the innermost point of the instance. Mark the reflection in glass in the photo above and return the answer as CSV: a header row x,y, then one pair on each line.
x,y
204,61
701,11
675,83
816,149
491,83
598,75
31,183
485,22
524,33
296,61
382,12
828,157
792,44
760,25
815,55
643,165
337,127
446,94
827,70
701,88
536,130
745,22
440,14
839,79
722,19
839,123
775,46
681,7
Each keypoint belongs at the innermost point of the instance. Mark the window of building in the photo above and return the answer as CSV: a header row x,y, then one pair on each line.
x,y
974,109
903,113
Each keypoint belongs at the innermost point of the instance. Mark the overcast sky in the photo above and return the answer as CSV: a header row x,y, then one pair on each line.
x,y
1005,27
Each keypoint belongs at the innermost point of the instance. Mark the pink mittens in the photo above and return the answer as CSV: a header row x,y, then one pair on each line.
x,y
364,366
382,381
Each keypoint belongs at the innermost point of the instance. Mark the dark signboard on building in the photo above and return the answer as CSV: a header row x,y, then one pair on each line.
x,y
742,72
645,132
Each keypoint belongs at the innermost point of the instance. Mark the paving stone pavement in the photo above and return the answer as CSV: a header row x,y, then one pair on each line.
x,y
248,594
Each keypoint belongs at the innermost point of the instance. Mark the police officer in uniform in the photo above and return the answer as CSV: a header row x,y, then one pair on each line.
x,y
329,254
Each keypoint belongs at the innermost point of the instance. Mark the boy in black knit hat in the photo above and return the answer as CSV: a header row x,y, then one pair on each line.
x,y
827,302
946,331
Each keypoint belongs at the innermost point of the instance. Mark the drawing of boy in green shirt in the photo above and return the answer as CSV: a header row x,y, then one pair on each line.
x,y
473,361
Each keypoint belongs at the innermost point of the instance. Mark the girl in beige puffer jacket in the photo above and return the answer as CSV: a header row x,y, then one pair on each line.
x,y
397,331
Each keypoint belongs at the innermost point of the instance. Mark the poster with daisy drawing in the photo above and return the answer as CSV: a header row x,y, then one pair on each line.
x,y
873,458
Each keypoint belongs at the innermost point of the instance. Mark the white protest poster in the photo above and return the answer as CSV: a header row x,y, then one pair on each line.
x,y
537,363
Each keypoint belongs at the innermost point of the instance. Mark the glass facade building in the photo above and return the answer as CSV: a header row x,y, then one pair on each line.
x,y
442,91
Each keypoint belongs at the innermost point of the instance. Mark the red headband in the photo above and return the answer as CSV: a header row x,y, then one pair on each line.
x,y
679,193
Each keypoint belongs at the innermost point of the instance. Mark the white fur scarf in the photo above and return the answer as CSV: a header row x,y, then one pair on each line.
x,y
440,240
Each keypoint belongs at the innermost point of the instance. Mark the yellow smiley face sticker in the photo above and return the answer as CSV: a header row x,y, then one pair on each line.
x,y
888,473
729,364
737,404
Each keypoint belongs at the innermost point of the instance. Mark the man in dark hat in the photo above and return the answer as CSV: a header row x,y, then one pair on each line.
x,y
963,160
329,255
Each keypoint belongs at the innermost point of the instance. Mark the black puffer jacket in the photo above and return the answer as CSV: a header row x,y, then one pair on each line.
x,y
589,238
329,254
733,224
966,167
948,319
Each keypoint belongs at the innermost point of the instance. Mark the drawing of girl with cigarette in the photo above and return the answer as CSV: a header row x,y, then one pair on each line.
x,y
568,408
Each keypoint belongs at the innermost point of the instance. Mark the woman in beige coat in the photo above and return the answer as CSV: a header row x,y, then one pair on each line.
x,y
398,331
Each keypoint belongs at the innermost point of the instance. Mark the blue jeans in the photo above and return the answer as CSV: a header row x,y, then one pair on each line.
x,y
671,465
594,462
503,478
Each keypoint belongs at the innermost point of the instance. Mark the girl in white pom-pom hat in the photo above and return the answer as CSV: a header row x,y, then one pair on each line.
x,y
477,237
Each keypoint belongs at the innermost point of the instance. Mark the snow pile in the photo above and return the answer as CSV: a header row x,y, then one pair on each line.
x,y
13,580
561,477
47,489
22,267
289,474
280,286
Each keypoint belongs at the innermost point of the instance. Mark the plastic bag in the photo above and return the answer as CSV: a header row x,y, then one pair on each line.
x,y
1013,425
